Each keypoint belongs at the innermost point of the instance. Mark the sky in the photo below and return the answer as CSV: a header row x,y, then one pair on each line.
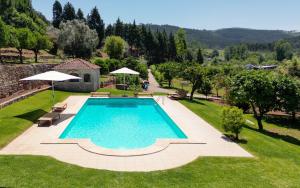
x,y
196,14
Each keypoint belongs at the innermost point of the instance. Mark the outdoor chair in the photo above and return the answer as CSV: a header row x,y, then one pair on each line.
x,y
59,107
178,95
49,117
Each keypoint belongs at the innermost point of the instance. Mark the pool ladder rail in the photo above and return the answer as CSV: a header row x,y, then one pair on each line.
x,y
162,98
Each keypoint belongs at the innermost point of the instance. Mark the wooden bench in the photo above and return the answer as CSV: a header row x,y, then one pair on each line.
x,y
141,94
59,107
100,94
49,117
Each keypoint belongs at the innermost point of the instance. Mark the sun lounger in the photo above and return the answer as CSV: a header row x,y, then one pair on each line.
x,y
180,94
143,94
100,94
59,107
49,117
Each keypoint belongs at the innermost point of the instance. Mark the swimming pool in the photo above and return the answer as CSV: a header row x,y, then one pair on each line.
x,y
118,123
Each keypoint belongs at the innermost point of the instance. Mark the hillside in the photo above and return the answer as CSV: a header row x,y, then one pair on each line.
x,y
224,37
21,14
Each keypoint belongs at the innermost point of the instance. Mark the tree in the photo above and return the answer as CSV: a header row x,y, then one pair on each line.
x,y
150,46
189,56
3,36
200,58
283,50
57,14
132,35
233,120
68,12
215,53
218,82
118,28
80,15
25,41
40,42
239,52
77,39
109,30
161,48
114,47
181,46
169,71
205,87
256,88
194,74
172,52
288,95
95,22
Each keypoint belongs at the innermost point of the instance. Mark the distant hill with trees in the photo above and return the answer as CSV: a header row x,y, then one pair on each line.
x,y
226,37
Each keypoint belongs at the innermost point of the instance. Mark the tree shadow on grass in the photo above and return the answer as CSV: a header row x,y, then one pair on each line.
x,y
32,116
286,138
231,138
194,102
283,121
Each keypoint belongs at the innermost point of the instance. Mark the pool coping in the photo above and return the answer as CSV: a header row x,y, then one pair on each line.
x,y
88,145
160,144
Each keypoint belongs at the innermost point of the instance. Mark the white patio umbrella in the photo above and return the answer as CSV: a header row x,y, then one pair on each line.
x,y
125,71
51,76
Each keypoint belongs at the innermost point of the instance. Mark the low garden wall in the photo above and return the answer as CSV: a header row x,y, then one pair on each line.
x,y
11,74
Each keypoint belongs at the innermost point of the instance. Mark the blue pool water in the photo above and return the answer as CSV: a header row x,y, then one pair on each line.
x,y
122,123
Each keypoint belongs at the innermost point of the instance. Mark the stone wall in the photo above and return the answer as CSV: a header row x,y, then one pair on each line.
x,y
80,85
11,74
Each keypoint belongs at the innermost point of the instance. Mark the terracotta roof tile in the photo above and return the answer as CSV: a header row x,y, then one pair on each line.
x,y
76,64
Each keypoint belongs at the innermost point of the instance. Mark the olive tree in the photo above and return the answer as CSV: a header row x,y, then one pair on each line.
x,y
24,40
114,47
233,120
169,71
3,36
255,88
288,95
40,42
283,50
194,74
77,39
206,87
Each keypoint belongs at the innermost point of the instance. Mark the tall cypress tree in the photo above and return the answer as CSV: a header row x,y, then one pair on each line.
x,y
80,15
150,46
172,52
119,28
68,12
200,58
133,35
161,48
125,32
143,37
109,30
165,45
189,56
95,22
57,14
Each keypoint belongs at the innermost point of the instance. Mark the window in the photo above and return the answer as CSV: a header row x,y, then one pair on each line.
x,y
87,78
75,80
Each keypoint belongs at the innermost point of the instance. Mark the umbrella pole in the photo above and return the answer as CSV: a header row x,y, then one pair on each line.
x,y
52,93
124,84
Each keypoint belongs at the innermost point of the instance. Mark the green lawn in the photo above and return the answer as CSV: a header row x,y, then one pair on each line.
x,y
276,162
16,118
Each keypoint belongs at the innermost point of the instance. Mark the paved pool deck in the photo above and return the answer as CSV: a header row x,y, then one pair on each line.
x,y
203,140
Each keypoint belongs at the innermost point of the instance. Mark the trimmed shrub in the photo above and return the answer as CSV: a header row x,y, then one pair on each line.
x,y
233,120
